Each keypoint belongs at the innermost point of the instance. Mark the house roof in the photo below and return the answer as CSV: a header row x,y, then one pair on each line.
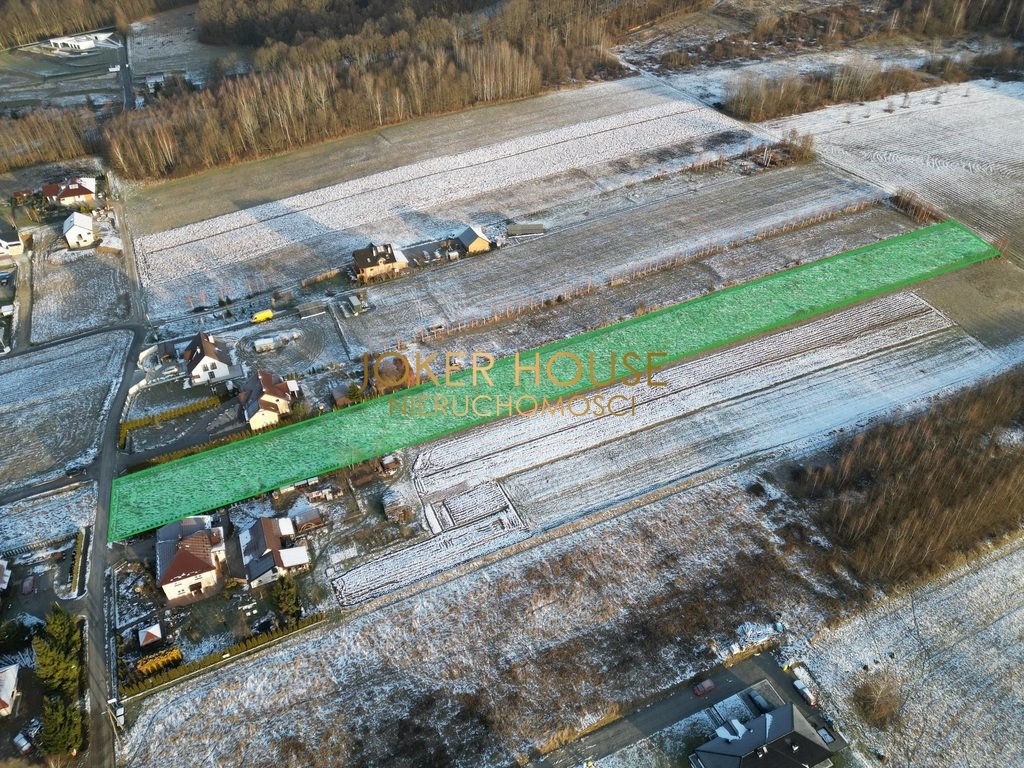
x,y
150,635
5,575
779,739
202,346
185,548
51,190
374,255
262,548
8,685
261,392
470,235
73,190
78,220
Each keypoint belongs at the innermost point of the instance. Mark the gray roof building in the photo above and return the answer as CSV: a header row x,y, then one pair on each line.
x,y
780,739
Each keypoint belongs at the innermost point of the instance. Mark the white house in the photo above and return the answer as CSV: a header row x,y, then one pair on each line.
x,y
78,230
207,360
473,240
10,244
268,553
8,689
264,398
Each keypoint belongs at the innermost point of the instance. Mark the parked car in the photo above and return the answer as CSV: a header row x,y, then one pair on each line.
x,y
702,688
22,743
761,702
801,686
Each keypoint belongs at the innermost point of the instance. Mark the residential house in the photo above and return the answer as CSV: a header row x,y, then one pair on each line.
x,y
268,551
70,193
10,242
779,739
190,555
78,230
8,689
375,261
207,359
473,240
264,399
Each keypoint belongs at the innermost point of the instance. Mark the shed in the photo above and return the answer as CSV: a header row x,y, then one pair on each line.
x,y
473,240
150,635
78,230
517,230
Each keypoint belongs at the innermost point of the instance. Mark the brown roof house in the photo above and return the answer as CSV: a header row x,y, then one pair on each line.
x,y
376,261
190,556
269,551
71,193
265,398
207,359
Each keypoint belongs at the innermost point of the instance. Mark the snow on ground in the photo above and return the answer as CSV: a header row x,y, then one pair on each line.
x,y
667,748
357,206
63,396
956,146
77,290
465,635
47,516
957,647
733,708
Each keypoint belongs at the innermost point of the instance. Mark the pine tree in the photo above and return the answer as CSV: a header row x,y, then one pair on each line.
x,y
62,726
286,597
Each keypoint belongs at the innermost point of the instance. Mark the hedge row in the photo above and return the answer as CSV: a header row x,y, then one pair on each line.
x,y
156,418
170,675
157,661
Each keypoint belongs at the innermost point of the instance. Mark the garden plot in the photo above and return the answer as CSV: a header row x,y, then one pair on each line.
x,y
303,344
956,647
957,147
168,44
229,243
453,547
64,394
46,517
76,290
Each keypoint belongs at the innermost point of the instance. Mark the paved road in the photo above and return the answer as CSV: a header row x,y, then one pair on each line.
x,y
679,703
23,295
126,76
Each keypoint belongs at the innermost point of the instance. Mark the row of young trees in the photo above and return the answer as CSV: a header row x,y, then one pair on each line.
x,y
58,654
318,92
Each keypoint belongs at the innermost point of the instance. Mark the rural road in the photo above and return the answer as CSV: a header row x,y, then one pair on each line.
x,y
679,703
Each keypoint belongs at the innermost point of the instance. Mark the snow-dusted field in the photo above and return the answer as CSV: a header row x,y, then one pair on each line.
x,y
957,647
47,516
75,291
227,249
56,403
791,387
464,636
956,146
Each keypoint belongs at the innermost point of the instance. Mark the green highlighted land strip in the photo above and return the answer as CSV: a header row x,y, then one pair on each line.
x,y
264,462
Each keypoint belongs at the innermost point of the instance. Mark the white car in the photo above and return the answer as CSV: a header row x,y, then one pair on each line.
x,y
801,686
22,743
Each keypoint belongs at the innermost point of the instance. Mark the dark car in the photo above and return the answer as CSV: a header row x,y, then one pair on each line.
x,y
761,702
702,688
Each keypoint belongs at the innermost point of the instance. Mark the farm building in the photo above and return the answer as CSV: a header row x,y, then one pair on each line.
x,y
78,230
150,635
375,261
207,360
780,739
268,553
189,556
10,243
472,240
264,398
8,689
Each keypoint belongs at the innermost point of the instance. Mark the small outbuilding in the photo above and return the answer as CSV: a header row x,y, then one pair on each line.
x,y
78,230
473,240
150,635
